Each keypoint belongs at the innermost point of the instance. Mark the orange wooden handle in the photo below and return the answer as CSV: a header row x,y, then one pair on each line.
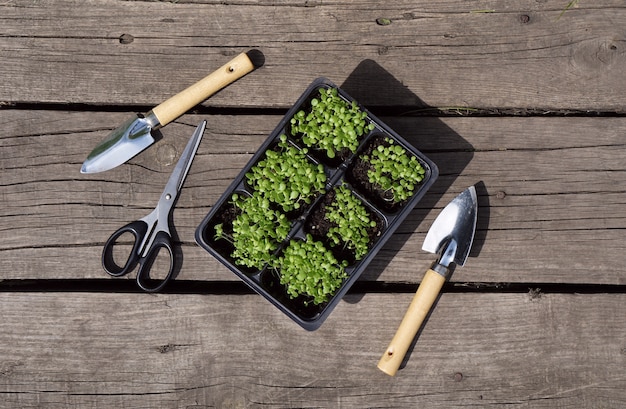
x,y
182,102
423,300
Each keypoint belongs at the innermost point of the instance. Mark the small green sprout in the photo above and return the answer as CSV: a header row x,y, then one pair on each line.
x,y
308,268
351,222
287,177
394,170
332,124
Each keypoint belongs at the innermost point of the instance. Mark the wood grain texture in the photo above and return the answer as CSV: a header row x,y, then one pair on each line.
x,y
496,54
169,351
549,185
519,98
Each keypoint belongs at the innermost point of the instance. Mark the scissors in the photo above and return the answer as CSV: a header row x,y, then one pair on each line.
x,y
152,233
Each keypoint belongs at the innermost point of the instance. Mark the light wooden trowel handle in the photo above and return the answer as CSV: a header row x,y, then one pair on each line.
x,y
182,102
423,300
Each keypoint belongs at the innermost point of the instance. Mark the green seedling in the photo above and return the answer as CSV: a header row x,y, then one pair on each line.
x,y
332,124
309,269
257,232
568,6
287,177
394,170
351,222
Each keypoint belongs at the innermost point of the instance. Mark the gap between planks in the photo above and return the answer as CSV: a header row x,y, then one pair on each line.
x,y
536,290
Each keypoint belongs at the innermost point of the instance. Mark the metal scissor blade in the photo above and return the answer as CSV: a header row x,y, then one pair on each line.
x,y
175,183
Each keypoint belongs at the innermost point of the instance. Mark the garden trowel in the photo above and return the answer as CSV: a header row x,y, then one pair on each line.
x,y
133,136
450,237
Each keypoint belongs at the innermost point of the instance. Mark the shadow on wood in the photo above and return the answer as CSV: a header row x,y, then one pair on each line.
x,y
482,223
374,87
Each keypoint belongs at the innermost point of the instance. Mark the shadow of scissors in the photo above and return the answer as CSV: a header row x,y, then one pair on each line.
x,y
152,233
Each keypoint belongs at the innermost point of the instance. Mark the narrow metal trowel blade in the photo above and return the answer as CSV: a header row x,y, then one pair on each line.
x,y
453,230
125,142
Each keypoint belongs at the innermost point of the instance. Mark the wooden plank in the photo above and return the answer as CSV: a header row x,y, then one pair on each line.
x,y
552,206
501,55
551,193
121,350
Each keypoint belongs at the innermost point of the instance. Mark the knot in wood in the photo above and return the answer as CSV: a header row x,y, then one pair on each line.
x,y
166,154
126,39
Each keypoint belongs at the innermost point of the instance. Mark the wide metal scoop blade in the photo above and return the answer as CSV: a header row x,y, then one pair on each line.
x,y
129,139
451,237
452,233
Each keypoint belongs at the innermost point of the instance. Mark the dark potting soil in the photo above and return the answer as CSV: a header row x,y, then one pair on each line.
x,y
226,215
357,176
318,226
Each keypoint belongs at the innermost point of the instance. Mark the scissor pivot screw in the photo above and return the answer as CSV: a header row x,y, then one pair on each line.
x,y
168,196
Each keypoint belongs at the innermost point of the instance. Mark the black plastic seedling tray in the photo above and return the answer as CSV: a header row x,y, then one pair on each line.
x,y
340,174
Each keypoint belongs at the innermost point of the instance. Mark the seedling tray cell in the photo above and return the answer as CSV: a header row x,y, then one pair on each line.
x,y
296,189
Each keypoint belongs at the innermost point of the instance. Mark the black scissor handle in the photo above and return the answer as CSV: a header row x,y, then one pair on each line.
x,y
139,229
162,241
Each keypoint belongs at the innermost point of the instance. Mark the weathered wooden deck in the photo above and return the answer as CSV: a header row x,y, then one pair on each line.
x,y
517,97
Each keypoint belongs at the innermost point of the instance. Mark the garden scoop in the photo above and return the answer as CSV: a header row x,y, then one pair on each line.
x,y
133,136
450,237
